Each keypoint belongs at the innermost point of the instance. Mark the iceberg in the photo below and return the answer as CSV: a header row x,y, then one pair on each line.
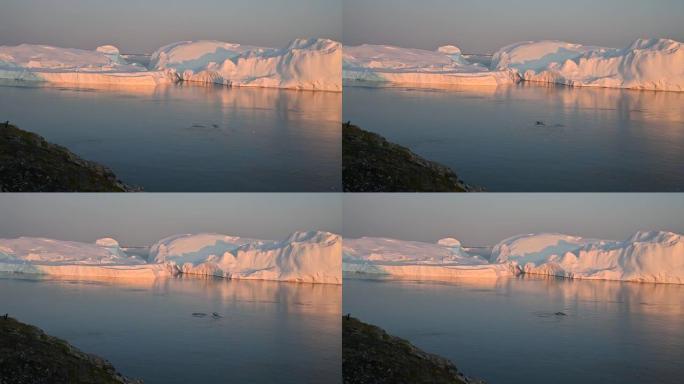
x,y
446,251
75,66
305,64
311,257
399,258
68,258
655,257
537,55
193,248
648,64
536,247
309,64
396,65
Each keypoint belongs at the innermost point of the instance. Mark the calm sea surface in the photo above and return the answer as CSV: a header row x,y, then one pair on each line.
x,y
508,330
265,332
189,137
530,138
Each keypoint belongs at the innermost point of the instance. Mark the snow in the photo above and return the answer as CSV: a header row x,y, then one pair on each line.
x,y
312,257
536,247
415,259
111,245
107,242
311,64
449,50
302,257
651,64
391,250
76,66
536,55
195,55
191,248
307,64
390,64
656,257
108,50
55,257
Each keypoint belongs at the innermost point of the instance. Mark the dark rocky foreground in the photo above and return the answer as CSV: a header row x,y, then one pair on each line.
x,y
371,356
28,163
370,163
29,356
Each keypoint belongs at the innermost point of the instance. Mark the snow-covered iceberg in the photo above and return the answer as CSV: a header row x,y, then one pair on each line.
x,y
55,257
194,248
652,64
75,66
313,257
443,260
536,247
656,257
444,67
311,64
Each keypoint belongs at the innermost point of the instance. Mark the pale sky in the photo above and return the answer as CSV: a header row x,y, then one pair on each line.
x,y
477,26
487,218
483,26
137,26
141,218
475,219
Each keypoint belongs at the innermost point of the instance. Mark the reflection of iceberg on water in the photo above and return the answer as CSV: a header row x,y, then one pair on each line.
x,y
312,257
656,257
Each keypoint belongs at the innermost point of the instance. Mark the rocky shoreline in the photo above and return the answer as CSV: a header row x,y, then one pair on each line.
x,y
30,356
370,163
29,163
372,356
